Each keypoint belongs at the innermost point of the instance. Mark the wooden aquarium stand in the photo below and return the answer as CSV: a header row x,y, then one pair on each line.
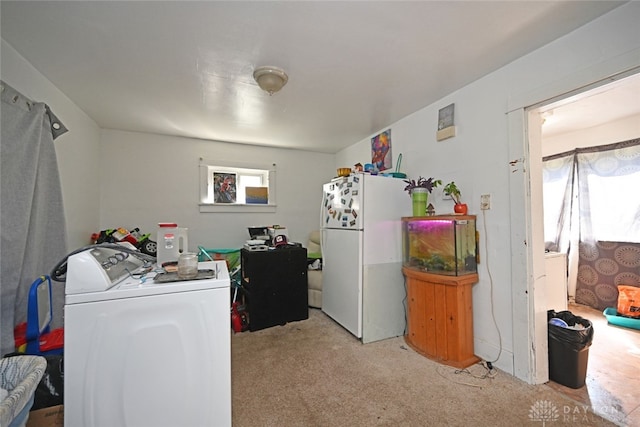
x,y
440,324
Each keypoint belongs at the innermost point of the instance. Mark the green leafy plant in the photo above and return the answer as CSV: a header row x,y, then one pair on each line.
x,y
428,183
451,189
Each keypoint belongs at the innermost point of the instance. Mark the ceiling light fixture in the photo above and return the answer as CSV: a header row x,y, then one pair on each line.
x,y
270,79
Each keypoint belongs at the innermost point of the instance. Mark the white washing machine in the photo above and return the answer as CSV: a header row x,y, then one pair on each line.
x,y
141,353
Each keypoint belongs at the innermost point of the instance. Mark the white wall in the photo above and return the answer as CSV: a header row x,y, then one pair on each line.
x,y
146,179
77,150
608,133
478,159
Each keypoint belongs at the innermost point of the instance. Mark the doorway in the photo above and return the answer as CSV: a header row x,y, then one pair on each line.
x,y
604,114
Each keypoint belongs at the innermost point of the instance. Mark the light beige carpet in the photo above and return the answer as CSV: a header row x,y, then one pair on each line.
x,y
314,373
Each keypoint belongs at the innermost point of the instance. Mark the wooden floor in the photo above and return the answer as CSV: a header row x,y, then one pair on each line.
x,y
612,386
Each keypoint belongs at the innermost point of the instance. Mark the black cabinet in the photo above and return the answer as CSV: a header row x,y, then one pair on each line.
x,y
275,286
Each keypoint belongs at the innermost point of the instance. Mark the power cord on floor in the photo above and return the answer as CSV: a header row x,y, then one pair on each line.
x,y
488,366
489,373
493,316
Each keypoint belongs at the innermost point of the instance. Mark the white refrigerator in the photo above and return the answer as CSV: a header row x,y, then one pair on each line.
x,y
362,282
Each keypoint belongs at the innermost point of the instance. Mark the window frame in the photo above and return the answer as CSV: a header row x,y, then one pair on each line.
x,y
208,167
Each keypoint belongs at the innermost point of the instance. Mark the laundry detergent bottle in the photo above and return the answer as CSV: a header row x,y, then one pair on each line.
x,y
172,241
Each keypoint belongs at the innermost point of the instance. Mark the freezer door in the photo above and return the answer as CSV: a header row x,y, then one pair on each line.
x,y
384,203
341,203
342,278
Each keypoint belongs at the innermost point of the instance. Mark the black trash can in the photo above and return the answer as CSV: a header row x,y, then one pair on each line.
x,y
569,348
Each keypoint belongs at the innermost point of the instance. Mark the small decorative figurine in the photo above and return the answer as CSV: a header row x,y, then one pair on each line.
x,y
431,210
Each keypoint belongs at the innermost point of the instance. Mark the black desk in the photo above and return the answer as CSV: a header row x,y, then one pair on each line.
x,y
275,286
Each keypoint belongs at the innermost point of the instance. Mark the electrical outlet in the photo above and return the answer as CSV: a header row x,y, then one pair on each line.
x,y
485,202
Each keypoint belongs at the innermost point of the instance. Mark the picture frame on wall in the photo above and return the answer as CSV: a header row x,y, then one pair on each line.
x,y
381,150
224,187
257,195
446,123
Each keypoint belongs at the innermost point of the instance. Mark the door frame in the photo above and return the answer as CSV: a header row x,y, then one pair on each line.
x,y
526,215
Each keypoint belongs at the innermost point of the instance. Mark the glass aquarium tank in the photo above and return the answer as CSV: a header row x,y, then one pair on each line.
x,y
442,244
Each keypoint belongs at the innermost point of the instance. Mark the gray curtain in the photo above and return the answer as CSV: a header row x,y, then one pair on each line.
x,y
32,223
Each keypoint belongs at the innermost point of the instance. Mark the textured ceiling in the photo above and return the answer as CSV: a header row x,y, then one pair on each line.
x,y
185,68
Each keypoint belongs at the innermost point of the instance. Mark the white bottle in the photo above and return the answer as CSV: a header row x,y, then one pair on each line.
x,y
172,241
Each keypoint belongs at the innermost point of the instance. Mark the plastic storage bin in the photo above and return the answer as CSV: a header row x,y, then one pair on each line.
x,y
615,319
442,244
568,348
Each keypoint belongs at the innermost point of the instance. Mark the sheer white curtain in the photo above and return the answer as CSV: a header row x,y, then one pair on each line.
x,y
606,180
32,224
609,192
558,173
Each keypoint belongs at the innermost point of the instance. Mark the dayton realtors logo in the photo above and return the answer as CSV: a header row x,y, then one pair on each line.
x,y
543,411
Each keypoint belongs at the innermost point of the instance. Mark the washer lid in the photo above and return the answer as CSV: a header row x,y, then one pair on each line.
x,y
140,287
99,269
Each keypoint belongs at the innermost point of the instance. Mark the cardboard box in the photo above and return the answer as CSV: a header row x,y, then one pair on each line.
x,y
52,416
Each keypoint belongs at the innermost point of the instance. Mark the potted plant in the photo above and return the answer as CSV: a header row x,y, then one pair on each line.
x,y
419,191
451,189
428,183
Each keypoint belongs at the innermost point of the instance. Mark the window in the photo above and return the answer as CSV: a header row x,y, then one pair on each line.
x,y
612,205
605,179
236,187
